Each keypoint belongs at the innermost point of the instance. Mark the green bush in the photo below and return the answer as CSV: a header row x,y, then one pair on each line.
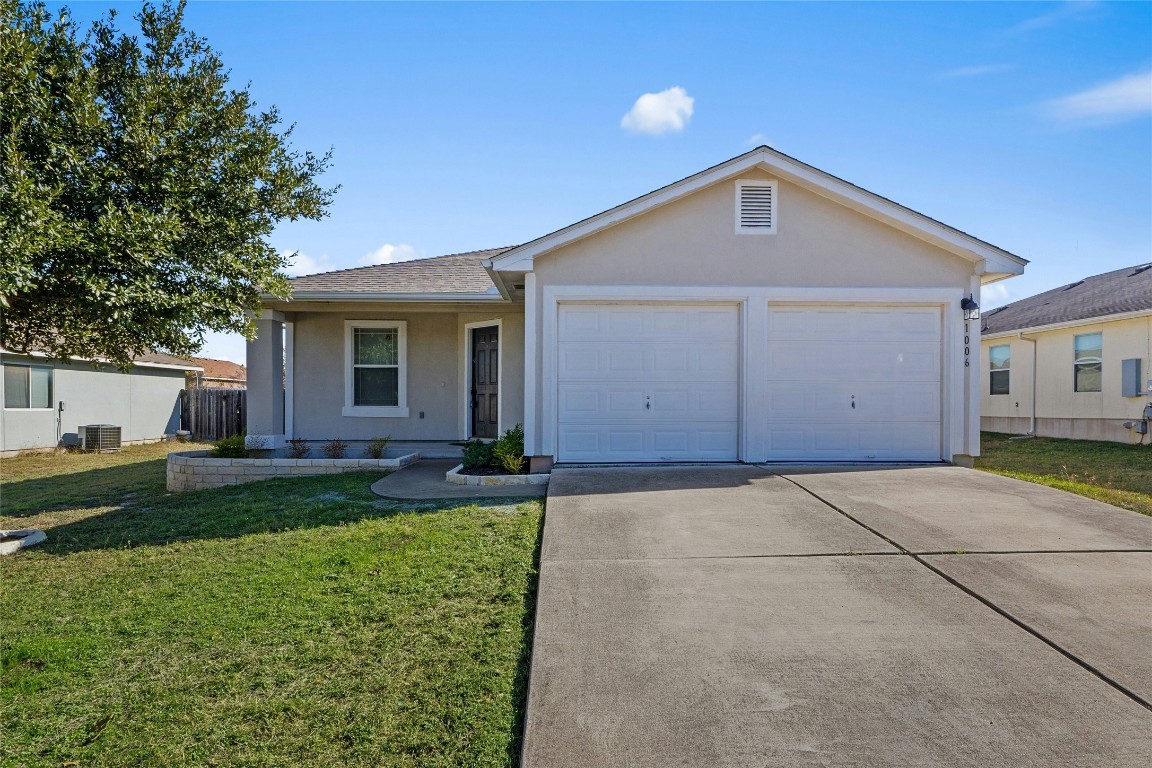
x,y
508,451
477,454
230,448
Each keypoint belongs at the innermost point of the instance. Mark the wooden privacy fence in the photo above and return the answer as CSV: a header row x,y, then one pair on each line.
x,y
213,413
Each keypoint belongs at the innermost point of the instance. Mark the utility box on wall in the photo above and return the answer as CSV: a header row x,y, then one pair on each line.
x,y
1130,377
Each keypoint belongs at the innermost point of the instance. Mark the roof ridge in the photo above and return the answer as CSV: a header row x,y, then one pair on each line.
x,y
408,261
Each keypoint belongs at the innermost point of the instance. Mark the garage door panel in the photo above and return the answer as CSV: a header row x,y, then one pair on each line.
x,y
616,361
651,382
851,383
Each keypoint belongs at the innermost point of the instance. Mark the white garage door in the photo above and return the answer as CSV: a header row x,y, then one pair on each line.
x,y
854,383
647,382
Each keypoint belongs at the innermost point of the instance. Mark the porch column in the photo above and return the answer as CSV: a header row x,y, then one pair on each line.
x,y
265,398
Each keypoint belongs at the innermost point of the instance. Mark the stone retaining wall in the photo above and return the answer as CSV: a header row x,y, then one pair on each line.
x,y
195,470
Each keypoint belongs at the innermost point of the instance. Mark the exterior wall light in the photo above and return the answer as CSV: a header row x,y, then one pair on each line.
x,y
971,308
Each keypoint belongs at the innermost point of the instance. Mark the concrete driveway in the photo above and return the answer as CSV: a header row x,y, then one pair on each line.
x,y
732,616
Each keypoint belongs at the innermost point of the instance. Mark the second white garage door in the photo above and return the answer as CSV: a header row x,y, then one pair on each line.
x,y
858,383
648,382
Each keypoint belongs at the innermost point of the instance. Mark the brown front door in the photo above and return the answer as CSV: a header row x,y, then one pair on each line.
x,y
485,381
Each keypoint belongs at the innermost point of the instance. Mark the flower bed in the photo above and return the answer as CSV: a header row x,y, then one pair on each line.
x,y
195,470
455,475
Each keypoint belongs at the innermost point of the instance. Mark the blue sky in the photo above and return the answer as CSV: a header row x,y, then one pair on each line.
x,y
464,126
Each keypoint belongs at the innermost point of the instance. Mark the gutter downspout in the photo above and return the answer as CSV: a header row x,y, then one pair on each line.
x,y
1035,353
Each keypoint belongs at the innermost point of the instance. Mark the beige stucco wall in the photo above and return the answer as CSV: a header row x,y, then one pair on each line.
x,y
1058,406
693,242
436,371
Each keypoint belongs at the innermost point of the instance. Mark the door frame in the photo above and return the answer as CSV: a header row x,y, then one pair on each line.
x,y
466,379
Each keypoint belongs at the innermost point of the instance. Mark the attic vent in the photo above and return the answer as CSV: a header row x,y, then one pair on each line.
x,y
1138,270
1073,285
755,207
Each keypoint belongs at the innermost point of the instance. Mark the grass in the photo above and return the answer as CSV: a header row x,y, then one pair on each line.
x,y
1115,473
294,622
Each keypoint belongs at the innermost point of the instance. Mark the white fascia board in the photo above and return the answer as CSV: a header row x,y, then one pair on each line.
x,y
870,204
103,361
397,297
1069,324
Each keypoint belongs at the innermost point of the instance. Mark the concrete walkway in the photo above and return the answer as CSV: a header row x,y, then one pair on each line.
x,y
733,616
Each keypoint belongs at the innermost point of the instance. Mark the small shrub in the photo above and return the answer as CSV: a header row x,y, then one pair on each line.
x,y
477,454
256,443
335,448
298,449
377,447
230,448
508,451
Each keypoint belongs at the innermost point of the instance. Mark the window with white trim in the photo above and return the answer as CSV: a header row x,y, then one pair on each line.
x,y
1089,366
756,209
999,363
27,386
376,369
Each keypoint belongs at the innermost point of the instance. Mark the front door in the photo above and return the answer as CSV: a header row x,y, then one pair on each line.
x,y
485,381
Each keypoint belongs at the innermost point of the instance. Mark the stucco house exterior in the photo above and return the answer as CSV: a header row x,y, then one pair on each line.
x,y
1072,362
46,401
760,310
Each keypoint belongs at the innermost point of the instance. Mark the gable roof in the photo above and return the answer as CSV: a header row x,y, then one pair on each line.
x,y
1112,293
998,263
457,275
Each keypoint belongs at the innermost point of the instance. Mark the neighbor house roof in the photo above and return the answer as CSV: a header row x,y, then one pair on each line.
x,y
225,370
149,360
1112,293
460,274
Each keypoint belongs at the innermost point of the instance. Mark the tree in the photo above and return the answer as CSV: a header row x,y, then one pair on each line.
x,y
137,189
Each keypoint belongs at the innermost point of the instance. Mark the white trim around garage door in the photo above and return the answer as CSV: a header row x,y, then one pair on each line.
x,y
753,363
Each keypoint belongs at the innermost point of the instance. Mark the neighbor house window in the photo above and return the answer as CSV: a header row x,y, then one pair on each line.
x,y
1089,349
27,386
999,361
376,368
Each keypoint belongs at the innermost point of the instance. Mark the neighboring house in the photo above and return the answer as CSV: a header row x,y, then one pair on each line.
x,y
1071,362
761,310
216,374
46,401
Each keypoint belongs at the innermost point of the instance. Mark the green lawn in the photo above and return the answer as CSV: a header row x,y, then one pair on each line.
x,y
1111,472
290,622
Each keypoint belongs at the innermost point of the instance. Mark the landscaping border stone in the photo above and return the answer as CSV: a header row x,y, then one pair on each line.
x,y
454,476
196,470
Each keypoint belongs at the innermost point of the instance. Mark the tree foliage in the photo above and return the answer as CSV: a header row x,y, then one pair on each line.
x,y
137,188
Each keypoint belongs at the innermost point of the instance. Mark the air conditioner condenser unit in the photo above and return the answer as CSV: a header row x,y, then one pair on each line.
x,y
100,437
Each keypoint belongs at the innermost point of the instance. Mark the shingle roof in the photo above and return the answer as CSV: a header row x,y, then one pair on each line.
x,y
220,369
1112,293
456,273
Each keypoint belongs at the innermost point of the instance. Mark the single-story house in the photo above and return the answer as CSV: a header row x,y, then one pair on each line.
x,y
1075,361
760,310
47,401
216,374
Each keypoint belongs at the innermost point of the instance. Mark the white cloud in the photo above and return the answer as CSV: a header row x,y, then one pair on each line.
x,y
756,140
657,113
973,71
1126,97
303,264
1067,10
390,254
993,296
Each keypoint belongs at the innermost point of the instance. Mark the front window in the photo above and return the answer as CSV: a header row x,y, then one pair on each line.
x,y
27,386
1089,348
999,362
376,374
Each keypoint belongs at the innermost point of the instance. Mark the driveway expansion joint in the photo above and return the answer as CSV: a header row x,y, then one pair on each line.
x,y
917,556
